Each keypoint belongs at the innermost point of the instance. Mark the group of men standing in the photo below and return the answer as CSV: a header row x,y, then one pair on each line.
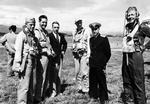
x,y
37,58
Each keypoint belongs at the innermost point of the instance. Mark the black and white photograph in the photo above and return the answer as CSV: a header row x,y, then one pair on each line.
x,y
74,52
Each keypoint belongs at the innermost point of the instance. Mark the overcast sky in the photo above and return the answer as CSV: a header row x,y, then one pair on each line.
x,y
110,13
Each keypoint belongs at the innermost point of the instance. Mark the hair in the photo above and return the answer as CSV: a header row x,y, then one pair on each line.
x,y
13,28
55,22
42,16
130,9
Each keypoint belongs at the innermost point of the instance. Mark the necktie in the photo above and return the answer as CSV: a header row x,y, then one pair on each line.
x,y
57,37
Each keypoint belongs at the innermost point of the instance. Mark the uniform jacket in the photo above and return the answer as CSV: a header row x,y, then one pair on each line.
x,y
100,51
23,48
81,40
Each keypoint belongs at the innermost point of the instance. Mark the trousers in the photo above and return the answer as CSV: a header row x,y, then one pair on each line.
x,y
54,78
133,76
25,93
10,64
82,73
97,84
42,75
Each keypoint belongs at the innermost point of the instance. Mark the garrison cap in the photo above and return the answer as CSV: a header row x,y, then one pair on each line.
x,y
29,20
78,21
95,25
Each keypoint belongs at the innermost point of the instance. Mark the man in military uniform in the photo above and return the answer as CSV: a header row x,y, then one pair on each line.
x,y
133,64
99,56
8,40
27,50
43,69
81,52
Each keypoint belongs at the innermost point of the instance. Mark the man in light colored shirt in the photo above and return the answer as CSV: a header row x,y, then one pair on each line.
x,y
26,55
43,69
8,40
81,52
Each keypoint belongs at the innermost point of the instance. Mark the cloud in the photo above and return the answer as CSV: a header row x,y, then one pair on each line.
x,y
38,4
109,13
14,14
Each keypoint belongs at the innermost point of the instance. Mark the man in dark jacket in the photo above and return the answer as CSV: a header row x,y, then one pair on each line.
x,y
59,45
99,56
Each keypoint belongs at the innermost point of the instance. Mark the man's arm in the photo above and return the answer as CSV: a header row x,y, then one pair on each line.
x,y
107,49
3,40
19,48
64,43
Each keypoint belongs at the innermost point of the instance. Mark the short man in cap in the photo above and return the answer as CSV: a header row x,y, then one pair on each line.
x,y
99,56
8,40
80,50
27,50
133,63
43,69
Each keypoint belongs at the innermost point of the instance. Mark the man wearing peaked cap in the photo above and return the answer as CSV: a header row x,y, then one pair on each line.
x,y
95,25
99,56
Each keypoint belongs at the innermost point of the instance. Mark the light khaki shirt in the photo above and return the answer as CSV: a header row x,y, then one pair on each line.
x,y
21,47
81,40
43,38
8,40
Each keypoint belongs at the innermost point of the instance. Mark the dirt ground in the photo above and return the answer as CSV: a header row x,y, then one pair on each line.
x,y
8,86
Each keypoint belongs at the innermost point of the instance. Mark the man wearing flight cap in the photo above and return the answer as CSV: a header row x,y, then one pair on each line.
x,y
81,52
27,50
99,56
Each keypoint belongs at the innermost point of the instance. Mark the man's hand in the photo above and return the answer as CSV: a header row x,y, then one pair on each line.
x,y
63,53
143,48
129,38
43,44
17,67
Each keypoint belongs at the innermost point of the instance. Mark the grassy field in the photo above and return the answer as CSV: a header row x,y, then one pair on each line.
x,y
8,86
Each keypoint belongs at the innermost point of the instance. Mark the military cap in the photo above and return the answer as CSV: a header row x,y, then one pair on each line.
x,y
78,21
29,20
95,25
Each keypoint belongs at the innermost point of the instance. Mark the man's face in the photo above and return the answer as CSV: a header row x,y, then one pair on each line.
x,y
95,31
55,28
79,25
43,23
131,16
30,26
